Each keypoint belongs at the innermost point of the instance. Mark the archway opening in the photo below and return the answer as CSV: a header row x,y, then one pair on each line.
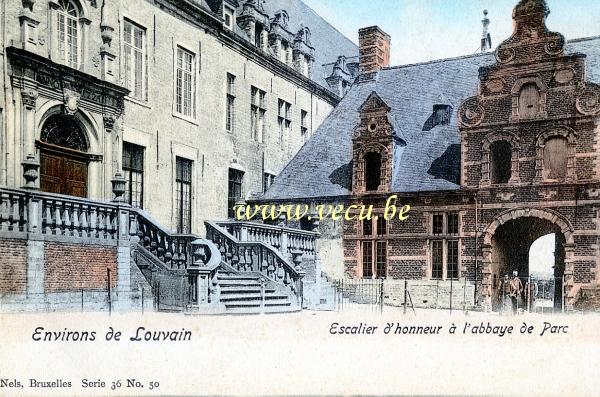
x,y
63,156
534,248
372,171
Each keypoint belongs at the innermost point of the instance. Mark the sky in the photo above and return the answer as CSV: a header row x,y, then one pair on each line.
x,y
423,30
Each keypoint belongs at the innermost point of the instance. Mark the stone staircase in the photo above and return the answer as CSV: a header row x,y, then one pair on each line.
x,y
249,292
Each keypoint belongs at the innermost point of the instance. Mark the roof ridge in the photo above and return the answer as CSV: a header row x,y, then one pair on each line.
x,y
459,57
328,23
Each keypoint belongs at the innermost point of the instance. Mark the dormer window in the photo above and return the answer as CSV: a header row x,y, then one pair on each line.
x,y
229,17
372,171
441,116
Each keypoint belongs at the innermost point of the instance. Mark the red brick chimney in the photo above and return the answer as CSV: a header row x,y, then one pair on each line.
x,y
374,47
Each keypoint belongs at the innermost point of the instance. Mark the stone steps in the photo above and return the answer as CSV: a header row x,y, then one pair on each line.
x,y
241,293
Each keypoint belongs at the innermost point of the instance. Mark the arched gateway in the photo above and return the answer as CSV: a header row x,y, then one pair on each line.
x,y
506,245
64,156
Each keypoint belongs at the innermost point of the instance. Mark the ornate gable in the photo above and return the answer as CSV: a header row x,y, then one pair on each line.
x,y
531,90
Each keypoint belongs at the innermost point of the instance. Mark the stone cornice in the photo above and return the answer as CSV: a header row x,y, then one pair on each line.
x,y
30,70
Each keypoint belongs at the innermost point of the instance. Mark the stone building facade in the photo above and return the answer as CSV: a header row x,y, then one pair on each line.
x,y
195,103
490,151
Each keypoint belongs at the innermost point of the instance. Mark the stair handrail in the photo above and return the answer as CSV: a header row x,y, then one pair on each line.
x,y
173,249
283,238
236,252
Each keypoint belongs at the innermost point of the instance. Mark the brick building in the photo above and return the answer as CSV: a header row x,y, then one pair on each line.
x,y
491,151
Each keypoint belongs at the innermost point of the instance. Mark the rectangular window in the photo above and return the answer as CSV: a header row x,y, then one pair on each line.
x,y
230,103
367,227
236,179
367,259
452,223
135,60
257,114
452,260
381,259
438,223
303,125
268,180
183,191
229,17
133,169
284,120
68,35
185,83
381,226
437,259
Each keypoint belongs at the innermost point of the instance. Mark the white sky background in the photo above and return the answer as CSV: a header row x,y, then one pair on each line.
x,y
423,30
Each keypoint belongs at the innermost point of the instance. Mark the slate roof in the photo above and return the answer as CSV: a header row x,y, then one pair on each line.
x,y
431,159
328,42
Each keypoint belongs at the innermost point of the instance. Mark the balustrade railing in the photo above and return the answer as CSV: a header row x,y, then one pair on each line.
x,y
13,211
70,216
174,250
255,256
284,239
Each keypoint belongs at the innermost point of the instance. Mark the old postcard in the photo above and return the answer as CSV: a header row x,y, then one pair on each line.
x,y
299,197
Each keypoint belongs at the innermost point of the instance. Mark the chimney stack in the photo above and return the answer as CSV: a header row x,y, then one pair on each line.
x,y
374,47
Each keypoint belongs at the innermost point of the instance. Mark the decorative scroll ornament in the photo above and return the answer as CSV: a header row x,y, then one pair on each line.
x,y
471,112
504,55
555,46
588,100
28,97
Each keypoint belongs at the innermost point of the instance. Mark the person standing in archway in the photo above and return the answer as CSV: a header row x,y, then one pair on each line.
x,y
516,289
504,294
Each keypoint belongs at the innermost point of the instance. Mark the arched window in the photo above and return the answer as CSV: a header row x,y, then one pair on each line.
x,y
529,101
64,131
68,33
501,162
555,158
372,171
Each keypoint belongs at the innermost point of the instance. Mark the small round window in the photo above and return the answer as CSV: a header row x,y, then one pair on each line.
x,y
372,127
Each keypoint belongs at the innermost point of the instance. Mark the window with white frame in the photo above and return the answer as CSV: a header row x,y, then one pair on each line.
x,y
185,83
135,59
230,103
284,119
444,246
268,180
133,170
303,125
68,33
228,17
257,113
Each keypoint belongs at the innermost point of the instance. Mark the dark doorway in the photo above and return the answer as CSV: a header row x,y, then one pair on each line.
x,y
372,171
63,157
